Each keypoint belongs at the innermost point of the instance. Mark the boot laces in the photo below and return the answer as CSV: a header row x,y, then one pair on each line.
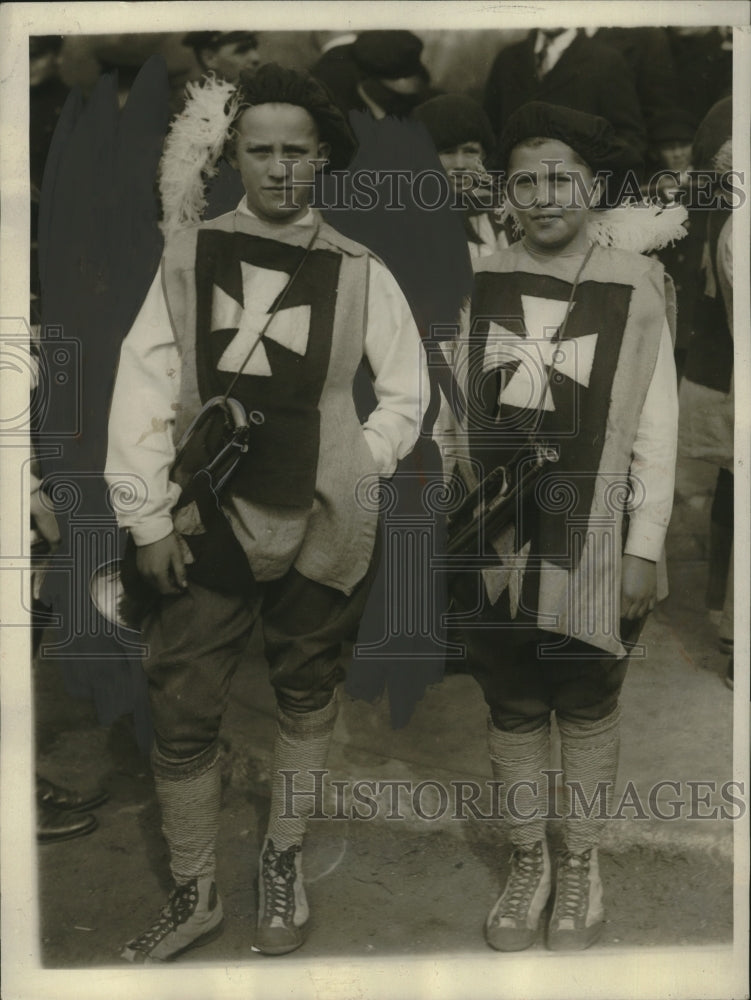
x,y
279,874
573,884
526,870
178,909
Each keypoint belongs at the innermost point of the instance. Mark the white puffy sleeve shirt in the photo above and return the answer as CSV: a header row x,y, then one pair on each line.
x,y
141,449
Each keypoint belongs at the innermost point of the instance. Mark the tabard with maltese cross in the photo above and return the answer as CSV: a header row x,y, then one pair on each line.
x,y
239,280
524,379
527,360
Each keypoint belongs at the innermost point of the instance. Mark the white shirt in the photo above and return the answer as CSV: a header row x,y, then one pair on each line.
x,y
555,47
490,241
148,385
653,458
652,469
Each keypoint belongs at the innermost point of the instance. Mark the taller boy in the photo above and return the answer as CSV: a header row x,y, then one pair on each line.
x,y
292,503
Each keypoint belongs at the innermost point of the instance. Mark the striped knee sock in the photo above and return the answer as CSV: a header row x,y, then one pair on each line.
x,y
589,754
190,816
301,746
522,757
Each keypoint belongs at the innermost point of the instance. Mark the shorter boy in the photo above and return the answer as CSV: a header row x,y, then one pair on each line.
x,y
567,342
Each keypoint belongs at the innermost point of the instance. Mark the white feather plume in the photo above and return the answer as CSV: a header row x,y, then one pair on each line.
x,y
638,226
191,151
722,161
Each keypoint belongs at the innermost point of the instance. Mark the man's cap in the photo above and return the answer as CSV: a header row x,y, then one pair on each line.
x,y
590,136
452,119
199,40
392,75
275,84
389,55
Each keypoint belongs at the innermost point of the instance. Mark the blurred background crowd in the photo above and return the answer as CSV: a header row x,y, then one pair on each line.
x,y
654,85
663,80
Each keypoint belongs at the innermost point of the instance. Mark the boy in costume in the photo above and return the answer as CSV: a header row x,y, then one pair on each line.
x,y
568,342
272,305
464,141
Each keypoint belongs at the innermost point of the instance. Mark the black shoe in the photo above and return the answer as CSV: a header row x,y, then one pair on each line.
x,y
65,799
54,824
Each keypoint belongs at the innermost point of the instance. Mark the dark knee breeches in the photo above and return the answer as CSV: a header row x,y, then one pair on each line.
x,y
196,641
522,685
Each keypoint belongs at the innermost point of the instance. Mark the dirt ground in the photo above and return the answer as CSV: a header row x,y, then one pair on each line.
x,y
374,889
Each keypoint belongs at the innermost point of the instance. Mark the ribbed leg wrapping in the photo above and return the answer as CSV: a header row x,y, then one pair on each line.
x,y
589,755
301,747
522,757
190,818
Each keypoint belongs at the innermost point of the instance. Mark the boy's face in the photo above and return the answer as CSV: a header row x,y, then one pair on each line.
x,y
550,190
458,161
267,135
675,155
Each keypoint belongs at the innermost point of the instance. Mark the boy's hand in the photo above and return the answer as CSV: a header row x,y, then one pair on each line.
x,y
161,564
638,586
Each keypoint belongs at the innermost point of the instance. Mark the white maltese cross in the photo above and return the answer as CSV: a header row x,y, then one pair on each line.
x,y
289,327
528,358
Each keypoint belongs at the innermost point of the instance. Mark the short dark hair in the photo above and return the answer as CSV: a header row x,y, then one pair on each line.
x,y
274,84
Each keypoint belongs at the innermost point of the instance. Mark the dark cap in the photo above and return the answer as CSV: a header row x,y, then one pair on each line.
x,y
199,40
590,136
715,129
274,84
672,125
389,55
40,45
452,119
